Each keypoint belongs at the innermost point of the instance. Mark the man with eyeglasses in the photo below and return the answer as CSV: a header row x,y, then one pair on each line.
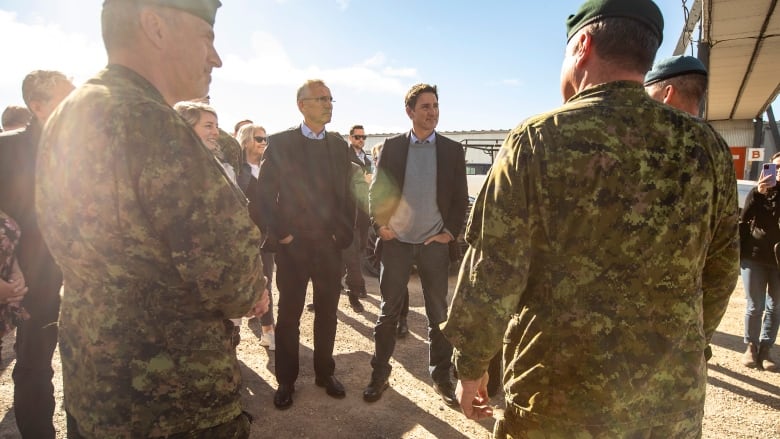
x,y
307,214
353,279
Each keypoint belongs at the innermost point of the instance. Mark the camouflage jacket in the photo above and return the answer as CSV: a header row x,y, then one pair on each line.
x,y
606,236
156,248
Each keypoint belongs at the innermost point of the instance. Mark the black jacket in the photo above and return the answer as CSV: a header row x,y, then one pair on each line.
x,y
451,188
285,190
18,150
759,225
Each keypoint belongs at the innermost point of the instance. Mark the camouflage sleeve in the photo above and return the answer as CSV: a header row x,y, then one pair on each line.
x,y
204,221
721,267
494,272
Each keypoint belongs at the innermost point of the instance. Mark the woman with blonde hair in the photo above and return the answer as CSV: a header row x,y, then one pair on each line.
x,y
253,140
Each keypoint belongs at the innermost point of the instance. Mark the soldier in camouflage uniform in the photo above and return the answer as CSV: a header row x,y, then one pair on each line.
x,y
155,244
603,251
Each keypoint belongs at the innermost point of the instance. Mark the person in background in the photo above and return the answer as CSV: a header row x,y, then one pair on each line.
x,y
602,251
353,255
308,216
36,337
15,117
203,119
759,236
12,284
238,126
418,203
156,245
253,140
679,81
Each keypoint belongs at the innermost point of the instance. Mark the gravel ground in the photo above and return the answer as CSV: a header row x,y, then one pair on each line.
x,y
741,402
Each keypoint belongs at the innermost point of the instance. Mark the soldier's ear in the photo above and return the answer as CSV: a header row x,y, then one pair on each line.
x,y
669,93
153,25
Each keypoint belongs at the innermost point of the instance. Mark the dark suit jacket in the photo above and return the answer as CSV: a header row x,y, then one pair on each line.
x,y
286,192
18,150
451,189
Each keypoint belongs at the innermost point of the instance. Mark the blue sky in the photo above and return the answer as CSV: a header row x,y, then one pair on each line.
x,y
495,62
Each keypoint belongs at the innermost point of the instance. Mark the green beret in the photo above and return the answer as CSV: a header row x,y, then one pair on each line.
x,y
205,9
675,66
644,11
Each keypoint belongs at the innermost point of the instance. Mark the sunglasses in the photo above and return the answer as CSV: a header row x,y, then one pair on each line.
x,y
260,139
359,137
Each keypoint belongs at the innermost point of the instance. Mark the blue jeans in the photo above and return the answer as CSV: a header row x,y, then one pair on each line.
x,y
762,291
432,263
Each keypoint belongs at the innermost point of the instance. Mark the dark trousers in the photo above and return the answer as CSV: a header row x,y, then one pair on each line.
x,y
353,265
267,319
297,263
36,339
432,262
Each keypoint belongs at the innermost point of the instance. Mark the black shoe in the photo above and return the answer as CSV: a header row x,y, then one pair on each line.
x,y
283,396
332,386
446,390
354,302
375,388
310,307
403,329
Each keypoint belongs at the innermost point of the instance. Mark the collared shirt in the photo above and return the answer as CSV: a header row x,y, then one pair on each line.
x,y
429,139
360,153
307,132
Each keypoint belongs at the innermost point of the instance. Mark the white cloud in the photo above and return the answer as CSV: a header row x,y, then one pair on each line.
x,y
511,82
343,4
269,65
43,45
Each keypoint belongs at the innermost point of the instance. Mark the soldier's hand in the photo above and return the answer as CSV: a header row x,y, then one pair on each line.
x,y
14,290
473,398
261,307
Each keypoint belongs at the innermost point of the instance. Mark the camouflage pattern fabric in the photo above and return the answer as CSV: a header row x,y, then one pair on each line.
x,y
231,149
156,248
606,235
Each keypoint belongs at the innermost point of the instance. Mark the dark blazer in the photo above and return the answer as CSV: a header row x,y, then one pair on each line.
x,y
18,150
451,188
286,195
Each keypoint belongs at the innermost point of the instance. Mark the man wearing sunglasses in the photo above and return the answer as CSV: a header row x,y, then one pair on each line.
x,y
353,278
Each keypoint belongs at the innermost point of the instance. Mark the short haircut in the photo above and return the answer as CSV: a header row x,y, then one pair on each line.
x,y
691,87
190,111
15,116
119,24
306,86
411,96
38,85
239,124
355,127
625,43
246,132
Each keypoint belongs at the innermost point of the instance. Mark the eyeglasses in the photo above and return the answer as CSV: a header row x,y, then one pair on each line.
x,y
321,99
360,137
260,139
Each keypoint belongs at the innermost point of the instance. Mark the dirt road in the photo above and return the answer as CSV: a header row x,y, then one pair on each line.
x,y
741,402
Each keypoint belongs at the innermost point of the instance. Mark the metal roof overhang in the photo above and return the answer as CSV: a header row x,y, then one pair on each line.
x,y
743,38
